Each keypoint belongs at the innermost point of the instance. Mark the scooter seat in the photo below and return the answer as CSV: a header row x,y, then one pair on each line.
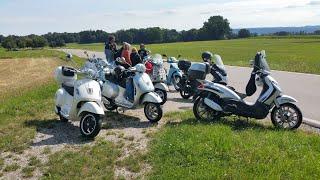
x,y
69,89
241,95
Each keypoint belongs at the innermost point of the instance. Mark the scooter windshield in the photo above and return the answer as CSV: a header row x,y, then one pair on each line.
x,y
219,62
263,61
157,59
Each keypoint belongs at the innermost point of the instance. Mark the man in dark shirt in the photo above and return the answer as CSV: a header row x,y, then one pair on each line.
x,y
110,48
143,52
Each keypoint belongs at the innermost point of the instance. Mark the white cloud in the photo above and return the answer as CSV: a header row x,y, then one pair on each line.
x,y
314,3
241,13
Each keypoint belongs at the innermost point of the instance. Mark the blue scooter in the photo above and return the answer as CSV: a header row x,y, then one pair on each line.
x,y
174,74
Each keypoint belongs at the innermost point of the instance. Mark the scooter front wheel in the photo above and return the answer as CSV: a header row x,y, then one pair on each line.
x,y
287,116
175,81
90,125
203,112
162,94
153,112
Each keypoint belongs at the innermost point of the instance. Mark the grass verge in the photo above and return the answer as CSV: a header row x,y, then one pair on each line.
x,y
29,53
17,113
232,150
95,162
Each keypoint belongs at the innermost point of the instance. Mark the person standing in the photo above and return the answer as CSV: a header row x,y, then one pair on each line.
x,y
126,53
110,48
143,52
135,57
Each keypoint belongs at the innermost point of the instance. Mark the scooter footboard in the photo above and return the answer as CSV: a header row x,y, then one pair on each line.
x,y
92,107
151,97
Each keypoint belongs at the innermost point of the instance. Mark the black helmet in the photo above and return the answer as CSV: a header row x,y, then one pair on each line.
x,y
206,56
118,71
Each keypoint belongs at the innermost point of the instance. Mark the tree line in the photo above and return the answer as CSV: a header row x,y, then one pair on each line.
x,y
215,28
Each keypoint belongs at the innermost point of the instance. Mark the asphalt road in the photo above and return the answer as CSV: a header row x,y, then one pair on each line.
x,y
303,87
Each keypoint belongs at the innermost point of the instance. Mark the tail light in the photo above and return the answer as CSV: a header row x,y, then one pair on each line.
x,y
201,86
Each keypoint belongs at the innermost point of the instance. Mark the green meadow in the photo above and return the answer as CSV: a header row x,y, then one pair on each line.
x,y
287,54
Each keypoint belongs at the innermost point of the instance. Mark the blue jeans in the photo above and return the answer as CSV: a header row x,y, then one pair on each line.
x,y
129,89
109,55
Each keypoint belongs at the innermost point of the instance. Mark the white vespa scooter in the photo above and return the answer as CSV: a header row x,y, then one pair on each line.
x,y
114,91
79,100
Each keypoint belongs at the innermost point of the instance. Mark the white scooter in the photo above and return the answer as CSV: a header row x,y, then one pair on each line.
x,y
115,93
79,100
158,76
216,100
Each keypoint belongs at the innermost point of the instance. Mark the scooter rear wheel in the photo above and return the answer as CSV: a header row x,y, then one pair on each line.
x,y
184,94
203,112
62,119
153,112
287,116
162,94
90,125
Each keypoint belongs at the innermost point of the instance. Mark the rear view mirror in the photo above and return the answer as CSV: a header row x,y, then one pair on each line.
x,y
69,56
179,56
164,55
251,63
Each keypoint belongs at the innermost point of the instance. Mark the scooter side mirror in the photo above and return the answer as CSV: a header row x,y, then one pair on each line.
x,y
179,56
164,55
251,63
69,57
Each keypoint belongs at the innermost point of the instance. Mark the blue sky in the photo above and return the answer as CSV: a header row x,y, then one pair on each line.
x,y
41,16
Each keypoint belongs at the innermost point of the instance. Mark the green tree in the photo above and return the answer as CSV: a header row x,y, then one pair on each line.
x,y
216,28
244,33
1,38
21,42
38,41
317,32
9,43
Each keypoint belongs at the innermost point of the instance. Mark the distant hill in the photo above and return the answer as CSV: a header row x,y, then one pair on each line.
x,y
271,30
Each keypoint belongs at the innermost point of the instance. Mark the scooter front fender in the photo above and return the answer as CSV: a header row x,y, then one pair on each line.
x,y
161,86
283,99
151,97
92,107
177,73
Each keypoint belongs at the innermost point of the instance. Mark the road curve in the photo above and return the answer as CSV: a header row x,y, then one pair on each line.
x,y
304,87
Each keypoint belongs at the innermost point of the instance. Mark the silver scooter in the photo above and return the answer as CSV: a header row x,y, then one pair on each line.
x,y
114,91
79,99
216,100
